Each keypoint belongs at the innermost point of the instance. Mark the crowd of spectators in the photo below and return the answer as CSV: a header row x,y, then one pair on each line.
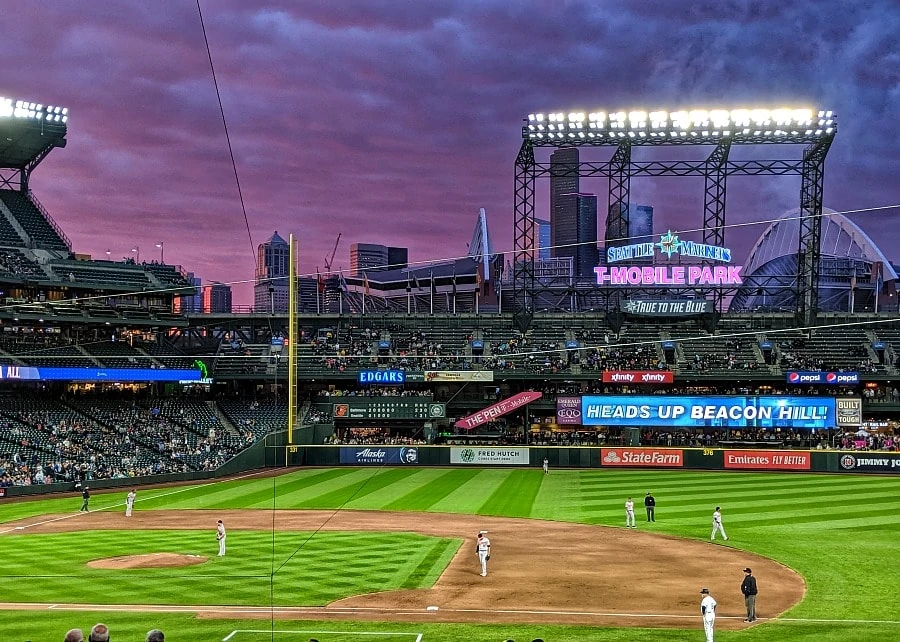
x,y
374,436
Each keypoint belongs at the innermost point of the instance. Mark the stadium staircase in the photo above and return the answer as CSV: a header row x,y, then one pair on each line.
x,y
37,224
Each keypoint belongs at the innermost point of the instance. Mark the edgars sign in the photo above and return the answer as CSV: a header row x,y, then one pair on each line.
x,y
384,377
801,377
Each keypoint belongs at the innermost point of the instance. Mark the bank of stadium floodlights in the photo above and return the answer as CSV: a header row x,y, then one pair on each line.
x,y
720,129
28,132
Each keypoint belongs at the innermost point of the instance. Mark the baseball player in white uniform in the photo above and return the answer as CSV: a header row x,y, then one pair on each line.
x,y
708,611
629,514
129,502
546,466
483,549
220,535
717,525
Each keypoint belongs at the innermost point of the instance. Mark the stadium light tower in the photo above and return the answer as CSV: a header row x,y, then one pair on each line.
x,y
162,249
720,128
136,250
29,132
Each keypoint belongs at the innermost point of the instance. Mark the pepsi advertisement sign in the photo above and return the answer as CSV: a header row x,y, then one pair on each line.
x,y
708,411
365,455
382,377
800,378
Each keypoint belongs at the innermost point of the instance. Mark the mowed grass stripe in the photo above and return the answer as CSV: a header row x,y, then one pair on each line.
x,y
515,496
412,479
428,494
431,566
559,498
472,494
371,480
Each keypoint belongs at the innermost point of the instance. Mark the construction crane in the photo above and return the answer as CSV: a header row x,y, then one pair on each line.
x,y
329,261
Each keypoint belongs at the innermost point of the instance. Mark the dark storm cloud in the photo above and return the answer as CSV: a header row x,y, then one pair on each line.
x,y
393,122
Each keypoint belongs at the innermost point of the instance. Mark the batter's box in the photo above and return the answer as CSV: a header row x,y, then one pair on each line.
x,y
249,635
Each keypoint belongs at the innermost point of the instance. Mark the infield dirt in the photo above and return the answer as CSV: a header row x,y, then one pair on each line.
x,y
540,572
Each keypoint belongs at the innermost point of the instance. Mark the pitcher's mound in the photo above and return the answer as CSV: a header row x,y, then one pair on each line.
x,y
151,560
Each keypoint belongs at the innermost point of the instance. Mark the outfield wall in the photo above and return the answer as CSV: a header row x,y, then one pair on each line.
x,y
598,457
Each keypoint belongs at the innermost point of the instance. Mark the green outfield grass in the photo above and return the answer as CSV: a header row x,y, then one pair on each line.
x,y
839,531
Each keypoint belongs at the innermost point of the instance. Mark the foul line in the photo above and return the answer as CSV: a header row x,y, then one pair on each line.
x,y
383,633
349,610
108,508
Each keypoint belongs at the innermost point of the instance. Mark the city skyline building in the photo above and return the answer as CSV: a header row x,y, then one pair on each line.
x,y
270,292
639,230
193,303
481,247
564,179
216,298
578,232
542,239
371,257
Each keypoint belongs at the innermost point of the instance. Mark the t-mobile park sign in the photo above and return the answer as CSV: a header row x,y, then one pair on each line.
x,y
687,275
498,409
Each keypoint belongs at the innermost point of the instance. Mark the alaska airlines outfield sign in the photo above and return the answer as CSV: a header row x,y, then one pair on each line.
x,y
675,275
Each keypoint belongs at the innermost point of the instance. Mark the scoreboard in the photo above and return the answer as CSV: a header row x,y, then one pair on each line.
x,y
389,408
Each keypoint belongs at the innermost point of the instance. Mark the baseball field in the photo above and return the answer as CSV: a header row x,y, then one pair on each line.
x,y
360,554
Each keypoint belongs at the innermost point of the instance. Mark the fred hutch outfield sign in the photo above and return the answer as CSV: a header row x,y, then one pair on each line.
x,y
674,275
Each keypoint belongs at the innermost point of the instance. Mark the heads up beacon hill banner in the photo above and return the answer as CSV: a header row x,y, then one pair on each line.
x,y
698,412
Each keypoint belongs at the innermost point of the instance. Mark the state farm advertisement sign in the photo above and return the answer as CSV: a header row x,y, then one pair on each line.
x,y
638,376
642,457
568,410
764,460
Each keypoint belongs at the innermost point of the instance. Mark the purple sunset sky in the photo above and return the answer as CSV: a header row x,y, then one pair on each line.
x,y
393,122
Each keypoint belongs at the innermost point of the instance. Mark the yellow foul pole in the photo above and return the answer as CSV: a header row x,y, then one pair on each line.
x,y
292,339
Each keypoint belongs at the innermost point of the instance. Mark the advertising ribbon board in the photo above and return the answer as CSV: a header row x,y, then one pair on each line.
x,y
642,457
568,411
708,412
870,463
363,455
767,460
499,409
459,375
801,378
638,376
485,455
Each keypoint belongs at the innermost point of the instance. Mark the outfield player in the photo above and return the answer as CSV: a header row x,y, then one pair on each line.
x,y
483,550
717,525
220,536
629,514
546,466
129,502
708,611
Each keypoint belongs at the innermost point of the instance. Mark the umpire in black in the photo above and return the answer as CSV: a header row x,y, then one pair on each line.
x,y
748,588
650,505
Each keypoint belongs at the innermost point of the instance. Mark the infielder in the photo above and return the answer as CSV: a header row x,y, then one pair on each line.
x,y
629,514
483,550
85,499
220,536
129,502
717,525
708,610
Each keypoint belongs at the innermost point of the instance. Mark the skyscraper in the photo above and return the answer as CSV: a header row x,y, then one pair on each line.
x,y
216,298
542,239
192,303
370,257
270,293
564,179
579,232
638,230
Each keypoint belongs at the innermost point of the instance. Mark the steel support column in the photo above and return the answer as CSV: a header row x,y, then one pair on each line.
x,y
812,187
714,204
617,212
524,237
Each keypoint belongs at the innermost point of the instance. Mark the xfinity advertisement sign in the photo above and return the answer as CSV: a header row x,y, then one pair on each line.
x,y
711,411
801,377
